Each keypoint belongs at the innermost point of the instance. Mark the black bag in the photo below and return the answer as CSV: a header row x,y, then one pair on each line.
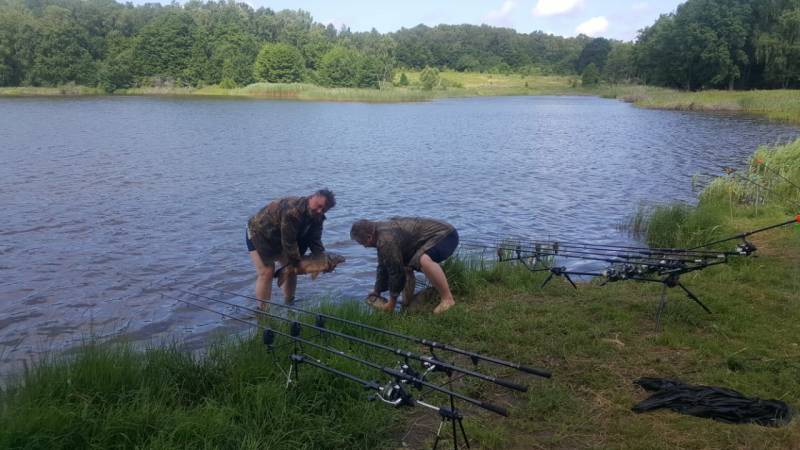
x,y
721,404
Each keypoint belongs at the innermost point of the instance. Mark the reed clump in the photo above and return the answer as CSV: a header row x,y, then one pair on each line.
x,y
768,187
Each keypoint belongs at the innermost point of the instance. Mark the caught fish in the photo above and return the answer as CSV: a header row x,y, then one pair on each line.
x,y
408,292
313,265
376,300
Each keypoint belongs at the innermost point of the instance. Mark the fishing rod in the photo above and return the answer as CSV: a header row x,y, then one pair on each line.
x,y
401,374
554,249
761,164
588,256
608,254
429,361
610,247
475,357
744,235
771,191
654,263
394,394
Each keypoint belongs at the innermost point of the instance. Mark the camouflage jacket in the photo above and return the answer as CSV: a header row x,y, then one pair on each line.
x,y
401,243
286,227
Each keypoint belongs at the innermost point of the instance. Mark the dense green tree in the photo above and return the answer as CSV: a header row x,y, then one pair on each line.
x,y
429,78
340,67
279,63
164,46
17,44
595,52
62,50
590,76
403,79
619,64
117,70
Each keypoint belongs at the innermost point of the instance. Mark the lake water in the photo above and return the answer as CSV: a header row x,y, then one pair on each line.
x,y
108,200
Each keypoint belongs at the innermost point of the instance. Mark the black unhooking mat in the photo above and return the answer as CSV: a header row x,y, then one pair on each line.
x,y
721,404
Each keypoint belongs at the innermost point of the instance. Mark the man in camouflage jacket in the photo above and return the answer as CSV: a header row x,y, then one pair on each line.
x,y
405,244
283,231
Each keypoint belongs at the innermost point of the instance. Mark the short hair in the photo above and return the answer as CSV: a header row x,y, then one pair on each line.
x,y
362,230
330,198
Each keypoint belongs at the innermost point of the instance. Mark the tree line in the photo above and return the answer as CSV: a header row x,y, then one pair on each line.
x,y
703,44
115,45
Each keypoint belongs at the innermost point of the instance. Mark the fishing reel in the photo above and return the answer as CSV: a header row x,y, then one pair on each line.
x,y
394,394
431,366
746,248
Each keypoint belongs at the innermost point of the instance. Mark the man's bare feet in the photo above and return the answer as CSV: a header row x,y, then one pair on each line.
x,y
443,306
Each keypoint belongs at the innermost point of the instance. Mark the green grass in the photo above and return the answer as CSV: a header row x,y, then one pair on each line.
x,y
65,90
112,396
293,91
779,104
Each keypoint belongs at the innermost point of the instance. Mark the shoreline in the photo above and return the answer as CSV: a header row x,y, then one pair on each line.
x,y
780,105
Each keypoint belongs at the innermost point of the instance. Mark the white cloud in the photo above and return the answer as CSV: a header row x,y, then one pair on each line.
x,y
593,26
555,7
640,6
500,16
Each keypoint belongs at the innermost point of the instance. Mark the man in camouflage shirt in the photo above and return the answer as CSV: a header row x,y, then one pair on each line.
x,y
408,243
283,231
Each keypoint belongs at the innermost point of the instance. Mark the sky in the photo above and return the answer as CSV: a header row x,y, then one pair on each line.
x,y
597,18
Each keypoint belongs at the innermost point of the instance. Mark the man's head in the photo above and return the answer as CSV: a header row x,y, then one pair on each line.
x,y
321,201
364,232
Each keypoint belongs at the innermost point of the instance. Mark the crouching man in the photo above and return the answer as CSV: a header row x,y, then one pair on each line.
x,y
405,244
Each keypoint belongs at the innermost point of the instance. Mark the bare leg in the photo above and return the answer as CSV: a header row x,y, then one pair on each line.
x,y
289,288
436,276
264,280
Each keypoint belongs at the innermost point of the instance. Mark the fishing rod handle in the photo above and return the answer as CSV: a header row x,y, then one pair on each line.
x,y
535,371
495,409
511,385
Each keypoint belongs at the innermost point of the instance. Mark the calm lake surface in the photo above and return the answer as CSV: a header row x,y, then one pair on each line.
x,y
107,202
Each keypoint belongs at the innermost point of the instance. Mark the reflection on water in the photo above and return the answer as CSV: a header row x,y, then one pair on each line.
x,y
108,200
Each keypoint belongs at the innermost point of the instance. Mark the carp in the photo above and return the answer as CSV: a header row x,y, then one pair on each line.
x,y
313,265
408,292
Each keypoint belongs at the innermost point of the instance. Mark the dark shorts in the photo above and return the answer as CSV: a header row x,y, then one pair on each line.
x,y
250,246
444,248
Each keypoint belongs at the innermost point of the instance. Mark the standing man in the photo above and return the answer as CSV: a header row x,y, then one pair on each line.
x,y
408,242
283,231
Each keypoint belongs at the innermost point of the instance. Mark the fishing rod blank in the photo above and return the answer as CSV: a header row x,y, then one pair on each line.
x,y
748,233
425,342
562,250
655,250
577,252
397,374
431,361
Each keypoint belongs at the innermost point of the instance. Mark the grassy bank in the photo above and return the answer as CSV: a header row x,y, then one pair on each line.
x,y
454,84
65,90
596,340
234,396
782,104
